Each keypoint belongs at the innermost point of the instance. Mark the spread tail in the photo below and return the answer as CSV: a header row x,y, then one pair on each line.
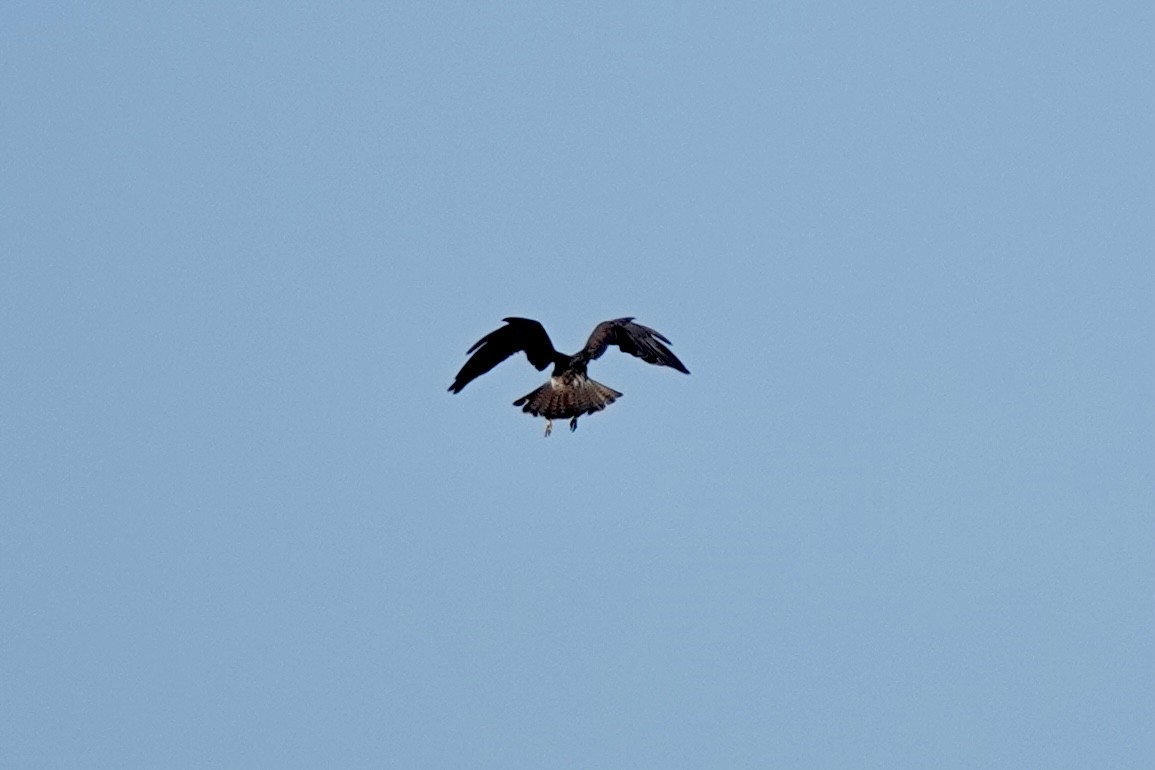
x,y
567,396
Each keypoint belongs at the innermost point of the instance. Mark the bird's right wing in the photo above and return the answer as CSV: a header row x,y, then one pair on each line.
x,y
632,338
518,334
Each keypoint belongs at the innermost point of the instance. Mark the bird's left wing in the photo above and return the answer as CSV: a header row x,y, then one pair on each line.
x,y
632,338
517,335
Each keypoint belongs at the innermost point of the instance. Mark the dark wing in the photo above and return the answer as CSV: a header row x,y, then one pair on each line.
x,y
632,338
517,335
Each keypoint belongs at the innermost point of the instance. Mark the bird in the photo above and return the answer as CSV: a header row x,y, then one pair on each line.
x,y
569,392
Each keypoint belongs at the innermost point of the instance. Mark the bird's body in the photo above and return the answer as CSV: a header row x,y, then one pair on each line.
x,y
569,393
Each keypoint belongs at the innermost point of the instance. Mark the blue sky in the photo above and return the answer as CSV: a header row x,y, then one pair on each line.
x,y
901,514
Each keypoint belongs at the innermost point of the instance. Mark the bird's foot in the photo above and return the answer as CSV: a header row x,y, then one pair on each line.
x,y
573,425
548,428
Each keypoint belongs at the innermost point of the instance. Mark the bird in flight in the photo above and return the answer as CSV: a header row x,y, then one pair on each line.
x,y
569,391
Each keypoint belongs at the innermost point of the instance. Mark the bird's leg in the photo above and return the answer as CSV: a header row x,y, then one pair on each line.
x,y
573,425
548,428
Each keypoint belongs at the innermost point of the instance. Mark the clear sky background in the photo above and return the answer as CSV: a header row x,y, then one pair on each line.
x,y
902,514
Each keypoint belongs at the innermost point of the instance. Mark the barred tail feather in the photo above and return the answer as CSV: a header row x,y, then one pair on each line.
x,y
567,397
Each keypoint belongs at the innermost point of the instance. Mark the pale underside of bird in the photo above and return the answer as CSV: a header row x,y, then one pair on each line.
x,y
569,392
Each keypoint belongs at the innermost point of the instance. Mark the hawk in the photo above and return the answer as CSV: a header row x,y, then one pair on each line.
x,y
569,391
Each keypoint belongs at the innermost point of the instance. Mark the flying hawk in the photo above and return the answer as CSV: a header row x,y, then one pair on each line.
x,y
569,392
